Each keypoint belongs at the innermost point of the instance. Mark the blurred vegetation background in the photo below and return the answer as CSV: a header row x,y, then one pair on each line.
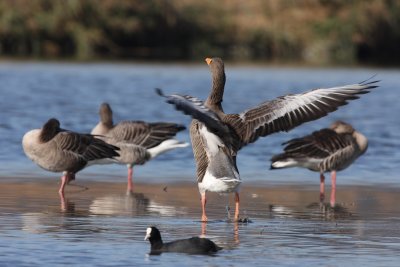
x,y
275,31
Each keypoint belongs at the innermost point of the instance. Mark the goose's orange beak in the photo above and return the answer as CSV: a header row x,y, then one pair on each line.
x,y
208,60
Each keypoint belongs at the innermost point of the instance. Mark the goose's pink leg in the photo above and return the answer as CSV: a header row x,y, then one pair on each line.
x,y
65,179
333,189
130,179
322,187
62,186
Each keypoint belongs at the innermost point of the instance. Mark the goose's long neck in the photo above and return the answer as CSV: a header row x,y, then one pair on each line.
x,y
214,100
107,120
361,140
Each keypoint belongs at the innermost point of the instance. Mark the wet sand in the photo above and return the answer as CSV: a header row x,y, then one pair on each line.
x,y
289,226
256,199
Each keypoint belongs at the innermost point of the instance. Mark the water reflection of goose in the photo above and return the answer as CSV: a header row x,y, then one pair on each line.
x,y
315,210
326,211
281,211
31,222
133,204
165,210
139,141
54,220
228,241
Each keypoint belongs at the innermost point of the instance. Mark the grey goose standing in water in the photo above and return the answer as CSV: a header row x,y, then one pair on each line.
x,y
217,137
138,141
58,150
328,150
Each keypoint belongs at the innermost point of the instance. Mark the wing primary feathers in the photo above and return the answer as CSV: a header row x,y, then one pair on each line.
x,y
195,108
370,78
286,112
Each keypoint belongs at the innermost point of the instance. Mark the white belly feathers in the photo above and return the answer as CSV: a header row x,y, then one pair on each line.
x,y
221,175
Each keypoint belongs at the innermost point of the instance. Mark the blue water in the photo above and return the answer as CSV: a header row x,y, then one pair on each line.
x,y
31,93
104,227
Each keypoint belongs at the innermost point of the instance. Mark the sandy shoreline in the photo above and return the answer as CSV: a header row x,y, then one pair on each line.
x,y
177,180
287,222
183,197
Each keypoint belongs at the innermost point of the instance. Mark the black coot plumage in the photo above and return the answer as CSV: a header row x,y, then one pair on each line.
x,y
193,245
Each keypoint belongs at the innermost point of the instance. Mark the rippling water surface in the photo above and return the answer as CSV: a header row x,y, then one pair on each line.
x,y
103,226
32,93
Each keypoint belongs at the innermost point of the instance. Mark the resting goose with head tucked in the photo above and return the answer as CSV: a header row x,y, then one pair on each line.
x,y
58,150
138,141
217,137
331,149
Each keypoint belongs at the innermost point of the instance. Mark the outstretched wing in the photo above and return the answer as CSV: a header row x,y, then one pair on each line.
x,y
197,110
286,112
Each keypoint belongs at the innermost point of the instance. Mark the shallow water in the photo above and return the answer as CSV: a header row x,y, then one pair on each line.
x,y
103,226
34,92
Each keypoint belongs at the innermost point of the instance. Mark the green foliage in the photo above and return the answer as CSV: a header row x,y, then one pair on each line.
x,y
307,31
